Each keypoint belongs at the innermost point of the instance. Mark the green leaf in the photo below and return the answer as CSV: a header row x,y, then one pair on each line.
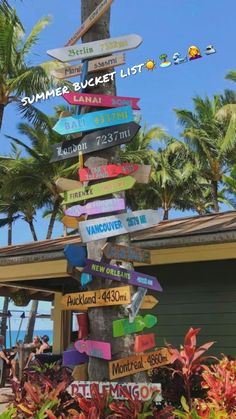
x,y
184,404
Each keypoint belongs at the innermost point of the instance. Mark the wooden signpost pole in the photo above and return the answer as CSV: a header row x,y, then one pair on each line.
x,y
101,319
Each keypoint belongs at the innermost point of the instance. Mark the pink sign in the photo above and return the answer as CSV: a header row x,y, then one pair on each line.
x,y
107,171
94,348
97,207
103,101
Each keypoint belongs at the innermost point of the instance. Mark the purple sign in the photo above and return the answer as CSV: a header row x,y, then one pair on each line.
x,y
94,348
116,273
97,207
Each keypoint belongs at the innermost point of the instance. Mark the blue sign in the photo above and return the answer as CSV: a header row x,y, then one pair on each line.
x,y
75,254
94,120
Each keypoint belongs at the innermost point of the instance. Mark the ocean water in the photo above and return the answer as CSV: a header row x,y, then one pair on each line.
x,y
22,336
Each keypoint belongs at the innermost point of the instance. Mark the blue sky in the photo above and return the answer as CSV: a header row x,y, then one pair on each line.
x,y
166,27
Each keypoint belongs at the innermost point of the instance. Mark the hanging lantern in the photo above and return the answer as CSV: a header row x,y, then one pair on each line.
x,y
20,298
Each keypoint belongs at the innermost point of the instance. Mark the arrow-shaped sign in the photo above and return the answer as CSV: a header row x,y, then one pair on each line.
x,y
94,120
149,302
95,141
75,254
89,22
96,48
126,253
94,65
107,171
114,225
115,273
64,184
98,298
94,348
144,342
134,364
72,222
96,207
101,101
124,327
99,189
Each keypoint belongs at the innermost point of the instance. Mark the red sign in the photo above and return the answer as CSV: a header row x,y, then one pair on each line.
x,y
102,172
144,342
103,101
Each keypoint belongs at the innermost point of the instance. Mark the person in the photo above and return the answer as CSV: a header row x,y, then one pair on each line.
x,y
44,347
8,359
35,345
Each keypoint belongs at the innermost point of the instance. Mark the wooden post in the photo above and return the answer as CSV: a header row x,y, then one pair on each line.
x,y
57,324
101,319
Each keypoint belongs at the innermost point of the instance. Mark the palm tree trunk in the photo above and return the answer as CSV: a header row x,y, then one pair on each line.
x,y
32,229
3,328
31,322
53,218
100,319
9,234
34,305
166,214
214,187
1,114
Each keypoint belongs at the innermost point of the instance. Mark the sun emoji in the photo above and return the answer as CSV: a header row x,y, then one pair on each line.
x,y
150,65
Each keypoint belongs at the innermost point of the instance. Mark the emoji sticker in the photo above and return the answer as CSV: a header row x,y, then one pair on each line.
x,y
194,53
165,61
150,64
210,50
178,59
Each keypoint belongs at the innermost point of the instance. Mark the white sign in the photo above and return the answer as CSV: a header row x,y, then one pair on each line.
x,y
115,225
143,391
96,48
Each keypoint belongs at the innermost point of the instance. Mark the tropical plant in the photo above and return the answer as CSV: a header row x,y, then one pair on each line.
x,y
210,137
16,76
183,377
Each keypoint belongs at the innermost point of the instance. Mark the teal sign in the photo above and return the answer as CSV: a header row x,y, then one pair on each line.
x,y
94,120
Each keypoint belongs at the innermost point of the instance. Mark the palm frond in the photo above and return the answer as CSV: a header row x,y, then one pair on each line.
x,y
34,34
231,76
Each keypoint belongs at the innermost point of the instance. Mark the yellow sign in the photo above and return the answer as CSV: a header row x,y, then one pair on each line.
x,y
72,222
98,298
134,364
149,302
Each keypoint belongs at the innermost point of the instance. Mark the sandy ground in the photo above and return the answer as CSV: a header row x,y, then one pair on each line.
x,y
5,398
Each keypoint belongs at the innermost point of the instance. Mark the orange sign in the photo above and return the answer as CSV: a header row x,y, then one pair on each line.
x,y
98,298
134,364
72,222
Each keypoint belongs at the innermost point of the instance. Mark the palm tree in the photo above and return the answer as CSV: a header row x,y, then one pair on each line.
x,y
16,76
206,133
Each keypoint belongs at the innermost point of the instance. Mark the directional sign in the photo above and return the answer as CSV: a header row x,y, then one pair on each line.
x,y
101,101
64,184
126,253
140,391
94,120
94,65
107,171
94,348
138,363
144,342
83,325
142,175
95,15
72,222
97,207
96,48
99,298
115,225
149,302
75,254
80,372
123,327
115,273
136,302
95,141
99,189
